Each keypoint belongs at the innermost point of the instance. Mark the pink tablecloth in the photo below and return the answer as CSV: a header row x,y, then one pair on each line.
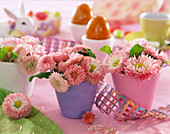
x,y
44,97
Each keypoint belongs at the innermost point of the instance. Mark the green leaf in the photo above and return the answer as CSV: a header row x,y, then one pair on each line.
x,y
136,50
90,53
41,75
13,56
3,53
106,49
41,43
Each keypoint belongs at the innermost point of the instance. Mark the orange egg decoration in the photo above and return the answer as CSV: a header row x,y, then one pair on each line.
x,y
98,28
82,15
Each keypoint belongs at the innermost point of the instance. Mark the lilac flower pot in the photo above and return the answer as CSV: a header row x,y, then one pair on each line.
x,y
140,92
77,100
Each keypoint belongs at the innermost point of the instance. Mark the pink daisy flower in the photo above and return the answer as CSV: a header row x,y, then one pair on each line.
x,y
75,74
58,83
74,58
46,63
11,42
149,50
30,40
16,106
142,68
94,69
163,56
78,48
22,50
66,50
88,118
114,62
131,43
39,50
29,64
58,57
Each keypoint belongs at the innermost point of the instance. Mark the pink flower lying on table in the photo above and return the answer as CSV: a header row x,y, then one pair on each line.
x,y
16,106
88,118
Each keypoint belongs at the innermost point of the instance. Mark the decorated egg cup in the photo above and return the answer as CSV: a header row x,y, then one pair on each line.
x,y
77,31
95,45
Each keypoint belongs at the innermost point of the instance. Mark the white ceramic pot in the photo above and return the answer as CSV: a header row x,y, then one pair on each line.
x,y
13,79
95,45
77,31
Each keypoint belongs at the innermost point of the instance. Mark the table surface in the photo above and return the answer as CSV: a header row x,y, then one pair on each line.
x,y
44,97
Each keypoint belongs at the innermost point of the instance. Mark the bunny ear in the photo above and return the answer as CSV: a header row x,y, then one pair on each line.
x,y
10,14
21,8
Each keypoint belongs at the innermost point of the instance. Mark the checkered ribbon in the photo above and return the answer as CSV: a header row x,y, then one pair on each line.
x,y
110,101
53,44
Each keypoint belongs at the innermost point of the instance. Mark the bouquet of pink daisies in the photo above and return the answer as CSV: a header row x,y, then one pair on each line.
x,y
70,66
26,51
135,59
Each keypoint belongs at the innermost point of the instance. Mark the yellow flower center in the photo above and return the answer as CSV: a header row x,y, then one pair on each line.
x,y
116,62
92,68
10,48
31,65
74,75
17,103
139,65
58,84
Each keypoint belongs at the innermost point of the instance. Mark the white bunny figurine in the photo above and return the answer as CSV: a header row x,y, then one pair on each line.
x,y
20,26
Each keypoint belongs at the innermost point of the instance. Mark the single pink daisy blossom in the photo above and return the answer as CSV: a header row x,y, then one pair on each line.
x,y
11,42
46,63
78,48
58,83
88,118
94,69
22,50
149,50
163,56
74,58
114,63
30,40
66,50
75,74
29,64
16,106
58,57
142,68
39,50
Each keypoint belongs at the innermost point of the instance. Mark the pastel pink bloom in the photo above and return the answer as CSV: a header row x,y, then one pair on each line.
x,y
11,42
16,106
46,63
29,64
66,50
74,58
143,67
163,56
149,50
114,62
39,50
78,48
58,83
22,50
88,118
30,40
131,43
58,57
94,69
75,74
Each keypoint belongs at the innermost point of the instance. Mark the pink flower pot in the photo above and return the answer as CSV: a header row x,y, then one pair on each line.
x,y
140,92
